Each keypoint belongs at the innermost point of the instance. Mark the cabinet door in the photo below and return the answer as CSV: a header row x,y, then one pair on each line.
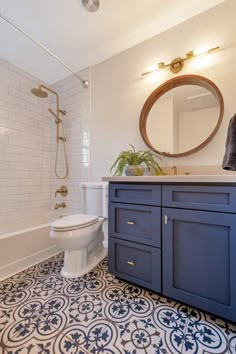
x,y
199,259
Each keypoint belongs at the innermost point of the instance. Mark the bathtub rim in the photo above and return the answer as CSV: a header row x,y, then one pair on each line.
x,y
21,231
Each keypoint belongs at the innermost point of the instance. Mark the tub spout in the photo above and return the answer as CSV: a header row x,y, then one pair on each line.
x,y
62,205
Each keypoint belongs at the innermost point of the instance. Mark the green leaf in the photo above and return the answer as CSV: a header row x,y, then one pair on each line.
x,y
136,158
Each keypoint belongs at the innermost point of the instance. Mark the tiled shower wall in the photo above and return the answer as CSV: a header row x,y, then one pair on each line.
x,y
28,143
24,145
76,101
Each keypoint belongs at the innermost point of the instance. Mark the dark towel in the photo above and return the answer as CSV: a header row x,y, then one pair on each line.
x,y
229,160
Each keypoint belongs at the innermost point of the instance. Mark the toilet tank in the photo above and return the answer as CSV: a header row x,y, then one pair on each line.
x,y
94,198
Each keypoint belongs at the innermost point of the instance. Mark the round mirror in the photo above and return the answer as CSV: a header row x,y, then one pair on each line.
x,y
181,116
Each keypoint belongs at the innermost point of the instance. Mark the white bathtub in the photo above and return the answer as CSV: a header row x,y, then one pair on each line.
x,y
25,242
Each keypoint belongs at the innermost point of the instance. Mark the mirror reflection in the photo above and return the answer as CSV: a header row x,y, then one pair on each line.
x,y
182,118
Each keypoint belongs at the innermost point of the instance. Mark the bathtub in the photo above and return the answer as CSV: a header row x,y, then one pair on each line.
x,y
25,242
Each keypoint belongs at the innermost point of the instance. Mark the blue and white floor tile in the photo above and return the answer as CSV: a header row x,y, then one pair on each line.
x,y
43,313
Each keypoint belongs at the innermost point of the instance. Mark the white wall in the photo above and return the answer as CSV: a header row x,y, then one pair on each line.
x,y
119,91
24,145
75,99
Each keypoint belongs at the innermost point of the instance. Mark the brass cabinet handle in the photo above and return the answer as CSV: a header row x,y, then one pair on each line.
x,y
131,263
130,223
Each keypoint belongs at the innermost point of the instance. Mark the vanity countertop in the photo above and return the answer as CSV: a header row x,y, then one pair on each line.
x,y
174,179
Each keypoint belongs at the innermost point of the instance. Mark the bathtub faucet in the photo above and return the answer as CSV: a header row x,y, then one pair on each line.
x,y
62,205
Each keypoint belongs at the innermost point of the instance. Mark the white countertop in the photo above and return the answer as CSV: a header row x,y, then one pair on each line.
x,y
174,179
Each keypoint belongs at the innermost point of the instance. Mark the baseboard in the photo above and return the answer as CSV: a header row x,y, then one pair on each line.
x,y
22,264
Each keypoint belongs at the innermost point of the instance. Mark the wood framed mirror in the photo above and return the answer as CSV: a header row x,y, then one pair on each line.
x,y
181,116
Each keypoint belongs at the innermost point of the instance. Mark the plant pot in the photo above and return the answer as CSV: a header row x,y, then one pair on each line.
x,y
134,170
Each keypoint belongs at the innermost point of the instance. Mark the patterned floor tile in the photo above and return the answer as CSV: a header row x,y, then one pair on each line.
x,y
231,330
26,325
172,321
144,336
228,328
92,282
94,334
18,293
124,300
45,287
59,344
85,308
202,336
49,267
42,312
50,311
232,345
6,317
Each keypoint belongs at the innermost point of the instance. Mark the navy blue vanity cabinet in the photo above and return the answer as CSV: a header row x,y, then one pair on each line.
x,y
178,240
199,247
135,233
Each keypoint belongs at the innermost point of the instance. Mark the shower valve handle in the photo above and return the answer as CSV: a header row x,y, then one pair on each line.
x,y
62,190
62,138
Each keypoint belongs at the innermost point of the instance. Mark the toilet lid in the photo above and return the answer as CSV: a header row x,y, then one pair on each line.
x,y
75,221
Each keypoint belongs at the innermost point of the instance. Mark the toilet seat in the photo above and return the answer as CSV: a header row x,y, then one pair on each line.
x,y
74,222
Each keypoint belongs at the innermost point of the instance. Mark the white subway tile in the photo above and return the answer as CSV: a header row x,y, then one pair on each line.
x,y
3,139
8,157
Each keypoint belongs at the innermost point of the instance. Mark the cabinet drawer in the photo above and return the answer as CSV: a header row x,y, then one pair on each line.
x,y
138,223
136,263
214,198
147,194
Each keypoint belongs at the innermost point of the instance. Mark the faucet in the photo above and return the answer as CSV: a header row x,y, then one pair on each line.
x,y
62,205
175,170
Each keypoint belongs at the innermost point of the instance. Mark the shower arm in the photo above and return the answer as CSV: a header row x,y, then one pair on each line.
x,y
49,89
57,97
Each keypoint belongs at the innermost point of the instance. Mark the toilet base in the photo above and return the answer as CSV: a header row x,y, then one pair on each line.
x,y
76,263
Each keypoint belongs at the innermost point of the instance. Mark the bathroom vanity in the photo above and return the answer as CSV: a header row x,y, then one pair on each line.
x,y
176,236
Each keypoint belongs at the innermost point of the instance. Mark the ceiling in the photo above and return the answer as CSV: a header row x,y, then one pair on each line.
x,y
81,38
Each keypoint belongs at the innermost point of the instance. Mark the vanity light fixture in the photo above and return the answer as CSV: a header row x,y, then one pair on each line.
x,y
177,64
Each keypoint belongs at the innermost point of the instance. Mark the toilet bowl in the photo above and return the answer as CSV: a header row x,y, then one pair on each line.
x,y
81,236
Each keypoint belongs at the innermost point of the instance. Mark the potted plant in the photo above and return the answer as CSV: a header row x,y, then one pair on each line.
x,y
132,163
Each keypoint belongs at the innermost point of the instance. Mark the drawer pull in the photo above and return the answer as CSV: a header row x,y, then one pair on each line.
x,y
166,219
130,223
131,263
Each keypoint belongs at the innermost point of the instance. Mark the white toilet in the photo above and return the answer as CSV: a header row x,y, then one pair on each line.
x,y
84,237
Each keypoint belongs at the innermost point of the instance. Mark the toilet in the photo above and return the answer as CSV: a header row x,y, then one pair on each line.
x,y
84,237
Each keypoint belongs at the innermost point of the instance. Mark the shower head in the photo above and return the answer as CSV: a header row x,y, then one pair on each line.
x,y
91,5
39,92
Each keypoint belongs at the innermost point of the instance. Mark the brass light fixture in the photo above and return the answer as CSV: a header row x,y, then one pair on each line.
x,y
177,64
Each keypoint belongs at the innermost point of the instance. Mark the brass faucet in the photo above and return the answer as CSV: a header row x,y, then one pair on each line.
x,y
175,170
62,205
